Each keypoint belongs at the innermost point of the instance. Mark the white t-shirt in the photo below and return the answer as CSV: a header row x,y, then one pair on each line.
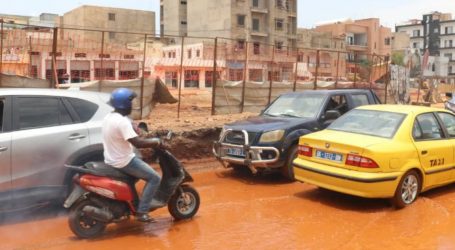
x,y
117,130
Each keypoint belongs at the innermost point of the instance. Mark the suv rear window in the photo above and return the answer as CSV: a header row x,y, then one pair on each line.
x,y
84,109
39,112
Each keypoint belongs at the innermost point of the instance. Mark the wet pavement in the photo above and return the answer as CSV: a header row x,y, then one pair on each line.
x,y
264,212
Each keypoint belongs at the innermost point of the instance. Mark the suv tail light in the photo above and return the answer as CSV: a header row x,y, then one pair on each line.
x,y
305,150
359,161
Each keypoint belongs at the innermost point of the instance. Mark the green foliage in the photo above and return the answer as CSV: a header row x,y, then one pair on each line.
x,y
398,58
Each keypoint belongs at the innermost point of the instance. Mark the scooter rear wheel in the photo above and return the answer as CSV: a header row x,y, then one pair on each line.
x,y
82,225
184,205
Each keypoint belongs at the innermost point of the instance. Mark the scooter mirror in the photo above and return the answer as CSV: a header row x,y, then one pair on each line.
x,y
169,135
143,126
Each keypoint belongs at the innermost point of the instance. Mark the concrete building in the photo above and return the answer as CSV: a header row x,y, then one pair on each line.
x,y
363,38
435,32
261,21
114,20
400,41
330,64
48,20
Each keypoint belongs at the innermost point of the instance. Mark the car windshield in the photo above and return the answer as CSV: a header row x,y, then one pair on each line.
x,y
302,106
369,122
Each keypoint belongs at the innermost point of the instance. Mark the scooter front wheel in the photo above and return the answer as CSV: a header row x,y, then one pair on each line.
x,y
83,225
184,204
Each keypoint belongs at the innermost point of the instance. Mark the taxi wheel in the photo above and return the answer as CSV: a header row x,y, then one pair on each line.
x,y
288,170
407,190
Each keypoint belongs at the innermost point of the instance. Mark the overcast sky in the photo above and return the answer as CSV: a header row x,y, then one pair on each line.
x,y
310,13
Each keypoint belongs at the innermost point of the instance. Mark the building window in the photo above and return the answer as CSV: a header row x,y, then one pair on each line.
x,y
449,30
449,55
183,2
387,41
183,22
279,24
255,75
198,53
209,76
241,20
416,33
128,74
278,45
240,44
111,35
256,48
111,16
256,3
170,78
415,45
189,54
80,75
107,73
191,78
235,74
255,24
280,4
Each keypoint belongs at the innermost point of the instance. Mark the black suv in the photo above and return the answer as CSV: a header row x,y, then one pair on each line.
x,y
269,141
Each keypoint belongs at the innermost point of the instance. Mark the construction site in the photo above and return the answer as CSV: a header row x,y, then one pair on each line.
x,y
198,84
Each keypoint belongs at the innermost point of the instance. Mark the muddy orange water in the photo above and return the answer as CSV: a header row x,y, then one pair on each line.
x,y
242,212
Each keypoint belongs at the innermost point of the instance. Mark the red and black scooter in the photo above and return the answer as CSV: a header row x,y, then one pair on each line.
x,y
103,195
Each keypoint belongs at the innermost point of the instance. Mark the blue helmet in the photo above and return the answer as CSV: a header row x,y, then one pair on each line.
x,y
122,98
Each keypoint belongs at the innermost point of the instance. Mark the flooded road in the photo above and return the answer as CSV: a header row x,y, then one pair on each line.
x,y
266,212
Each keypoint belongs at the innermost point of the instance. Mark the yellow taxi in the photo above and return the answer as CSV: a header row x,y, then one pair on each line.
x,y
381,151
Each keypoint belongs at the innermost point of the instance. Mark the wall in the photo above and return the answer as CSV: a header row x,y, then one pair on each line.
x,y
126,20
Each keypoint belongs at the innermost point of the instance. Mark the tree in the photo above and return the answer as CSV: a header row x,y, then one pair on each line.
x,y
398,58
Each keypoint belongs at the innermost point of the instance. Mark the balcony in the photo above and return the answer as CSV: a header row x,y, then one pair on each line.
x,y
447,47
259,33
357,46
260,10
292,13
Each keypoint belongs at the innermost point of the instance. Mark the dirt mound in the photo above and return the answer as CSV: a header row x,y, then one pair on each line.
x,y
195,144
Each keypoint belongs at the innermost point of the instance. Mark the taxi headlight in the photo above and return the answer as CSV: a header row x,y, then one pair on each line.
x,y
272,136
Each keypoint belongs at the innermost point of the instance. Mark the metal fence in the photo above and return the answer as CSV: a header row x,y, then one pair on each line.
x,y
217,67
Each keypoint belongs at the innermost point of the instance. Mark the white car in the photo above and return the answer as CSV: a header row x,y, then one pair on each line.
x,y
41,130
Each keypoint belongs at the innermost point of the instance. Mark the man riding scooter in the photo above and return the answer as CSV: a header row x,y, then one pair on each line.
x,y
119,137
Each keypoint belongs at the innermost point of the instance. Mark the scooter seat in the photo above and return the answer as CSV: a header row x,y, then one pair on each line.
x,y
103,169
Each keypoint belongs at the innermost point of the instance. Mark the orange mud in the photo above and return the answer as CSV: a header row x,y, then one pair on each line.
x,y
265,212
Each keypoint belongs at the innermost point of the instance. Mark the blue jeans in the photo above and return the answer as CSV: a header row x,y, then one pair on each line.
x,y
141,170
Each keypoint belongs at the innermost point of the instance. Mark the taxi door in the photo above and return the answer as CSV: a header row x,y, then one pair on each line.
x,y
436,151
447,121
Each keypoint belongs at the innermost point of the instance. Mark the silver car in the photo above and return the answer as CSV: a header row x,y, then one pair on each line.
x,y
41,130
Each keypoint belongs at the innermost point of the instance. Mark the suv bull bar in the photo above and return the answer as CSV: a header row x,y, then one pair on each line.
x,y
253,158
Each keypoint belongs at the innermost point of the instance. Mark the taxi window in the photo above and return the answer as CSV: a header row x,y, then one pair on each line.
x,y
428,126
449,123
369,122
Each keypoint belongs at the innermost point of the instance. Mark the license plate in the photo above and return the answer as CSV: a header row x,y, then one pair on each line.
x,y
235,152
329,156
